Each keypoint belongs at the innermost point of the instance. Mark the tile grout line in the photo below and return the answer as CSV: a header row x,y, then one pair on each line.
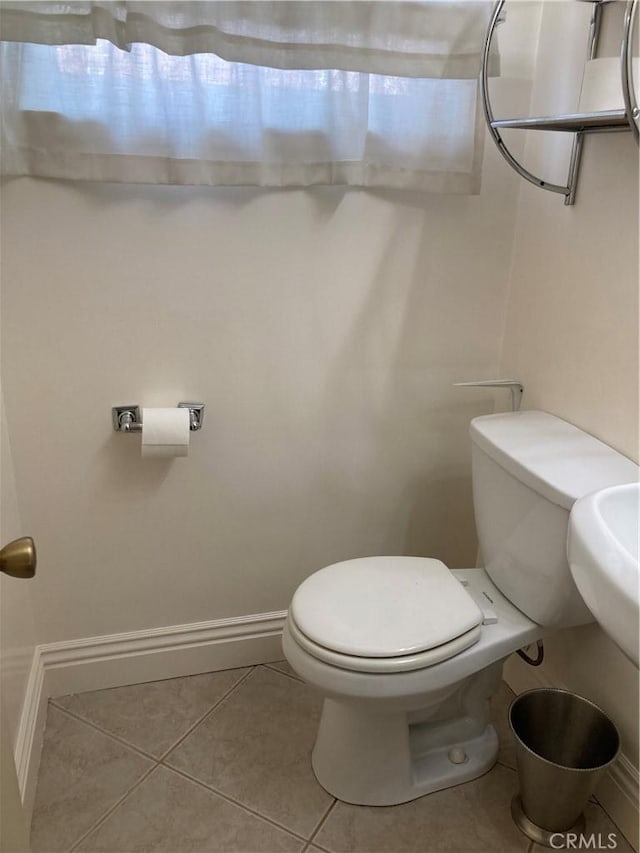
x,y
104,732
160,763
506,766
164,762
157,762
598,804
319,846
321,822
280,672
308,840
112,808
139,749
201,719
230,799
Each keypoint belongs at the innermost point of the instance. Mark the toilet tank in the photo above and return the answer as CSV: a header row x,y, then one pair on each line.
x,y
528,470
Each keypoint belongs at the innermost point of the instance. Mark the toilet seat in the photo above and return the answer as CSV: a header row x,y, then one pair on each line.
x,y
384,614
403,663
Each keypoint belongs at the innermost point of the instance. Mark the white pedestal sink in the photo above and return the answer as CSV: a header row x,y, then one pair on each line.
x,y
603,557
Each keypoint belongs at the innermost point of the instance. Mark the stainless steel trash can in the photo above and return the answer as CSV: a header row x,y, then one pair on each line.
x,y
564,743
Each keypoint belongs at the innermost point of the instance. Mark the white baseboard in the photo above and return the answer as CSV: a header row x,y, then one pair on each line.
x,y
618,790
115,660
30,731
138,656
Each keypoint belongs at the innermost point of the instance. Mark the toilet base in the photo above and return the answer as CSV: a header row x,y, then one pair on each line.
x,y
373,758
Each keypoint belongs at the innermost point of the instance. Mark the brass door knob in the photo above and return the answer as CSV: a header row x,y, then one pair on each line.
x,y
18,558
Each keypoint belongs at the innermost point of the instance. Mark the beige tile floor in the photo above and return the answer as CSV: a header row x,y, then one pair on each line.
x,y
220,763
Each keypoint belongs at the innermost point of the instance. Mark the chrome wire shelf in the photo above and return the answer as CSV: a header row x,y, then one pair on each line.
x,y
572,123
579,124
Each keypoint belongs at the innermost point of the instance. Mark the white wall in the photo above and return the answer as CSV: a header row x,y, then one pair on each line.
x,y
323,330
572,325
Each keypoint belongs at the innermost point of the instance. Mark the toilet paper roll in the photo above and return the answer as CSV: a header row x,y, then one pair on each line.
x,y
165,432
602,85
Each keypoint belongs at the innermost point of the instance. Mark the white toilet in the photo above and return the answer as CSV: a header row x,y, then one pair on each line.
x,y
408,653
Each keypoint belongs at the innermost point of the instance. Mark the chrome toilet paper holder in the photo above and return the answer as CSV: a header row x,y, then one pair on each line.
x,y
129,418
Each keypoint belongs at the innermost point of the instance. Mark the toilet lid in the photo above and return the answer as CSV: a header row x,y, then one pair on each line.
x,y
379,607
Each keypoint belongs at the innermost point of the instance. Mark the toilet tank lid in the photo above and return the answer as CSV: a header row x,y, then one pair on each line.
x,y
551,456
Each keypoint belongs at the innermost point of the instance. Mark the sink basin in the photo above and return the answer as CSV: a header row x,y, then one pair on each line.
x,y
603,557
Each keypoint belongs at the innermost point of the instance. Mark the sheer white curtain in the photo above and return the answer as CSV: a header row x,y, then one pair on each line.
x,y
272,94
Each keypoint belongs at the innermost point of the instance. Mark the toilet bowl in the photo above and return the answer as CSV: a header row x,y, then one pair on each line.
x,y
397,727
408,653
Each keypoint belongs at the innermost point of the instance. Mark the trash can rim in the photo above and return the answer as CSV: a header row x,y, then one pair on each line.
x,y
554,763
